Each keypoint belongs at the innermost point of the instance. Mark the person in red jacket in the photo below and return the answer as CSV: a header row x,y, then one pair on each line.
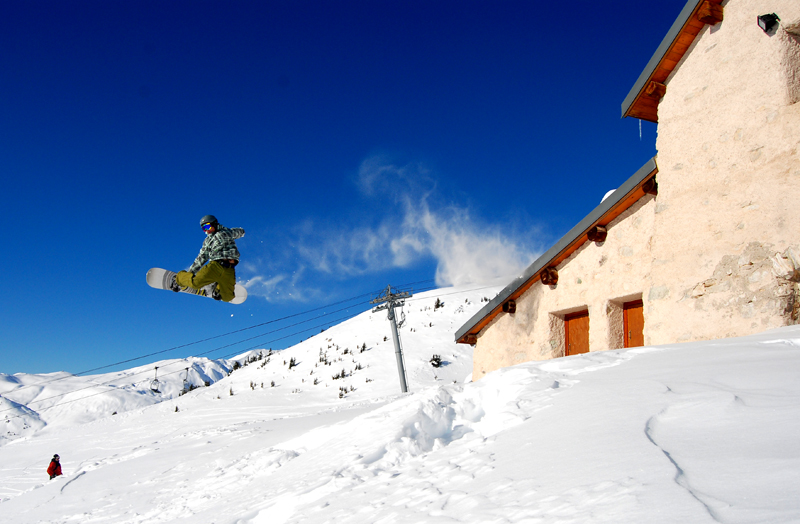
x,y
54,469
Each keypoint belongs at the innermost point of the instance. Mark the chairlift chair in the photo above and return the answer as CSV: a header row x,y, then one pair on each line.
x,y
155,383
402,319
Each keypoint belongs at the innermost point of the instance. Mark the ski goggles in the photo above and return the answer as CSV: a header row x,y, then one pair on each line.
x,y
207,226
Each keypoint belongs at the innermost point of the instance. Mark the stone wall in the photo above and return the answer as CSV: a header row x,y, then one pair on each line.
x,y
598,277
727,216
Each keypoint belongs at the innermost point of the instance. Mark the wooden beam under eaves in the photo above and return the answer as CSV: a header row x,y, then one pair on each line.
x,y
710,13
597,234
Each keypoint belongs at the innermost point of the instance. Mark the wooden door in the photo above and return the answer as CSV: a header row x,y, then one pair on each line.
x,y
633,320
576,333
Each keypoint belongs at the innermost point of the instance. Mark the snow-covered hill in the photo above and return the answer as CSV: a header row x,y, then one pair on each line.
x,y
29,402
359,352
319,432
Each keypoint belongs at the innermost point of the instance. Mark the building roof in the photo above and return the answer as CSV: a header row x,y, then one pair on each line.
x,y
641,183
643,98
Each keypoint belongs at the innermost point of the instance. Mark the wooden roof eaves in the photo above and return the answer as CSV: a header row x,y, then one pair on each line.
x,y
610,208
672,35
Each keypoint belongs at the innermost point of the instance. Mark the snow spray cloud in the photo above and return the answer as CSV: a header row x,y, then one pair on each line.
x,y
465,250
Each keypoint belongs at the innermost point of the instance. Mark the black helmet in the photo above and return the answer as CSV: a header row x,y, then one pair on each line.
x,y
209,219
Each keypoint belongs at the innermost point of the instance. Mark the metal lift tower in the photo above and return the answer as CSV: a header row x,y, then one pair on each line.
x,y
389,300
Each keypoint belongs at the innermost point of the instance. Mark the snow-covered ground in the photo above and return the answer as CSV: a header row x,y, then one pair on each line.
x,y
701,432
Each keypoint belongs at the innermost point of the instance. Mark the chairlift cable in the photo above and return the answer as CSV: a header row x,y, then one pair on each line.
x,y
262,344
451,293
44,382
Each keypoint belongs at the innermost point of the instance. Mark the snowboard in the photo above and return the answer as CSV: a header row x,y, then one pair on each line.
x,y
161,278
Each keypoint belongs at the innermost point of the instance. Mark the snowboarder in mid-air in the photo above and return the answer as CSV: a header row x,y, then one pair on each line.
x,y
219,250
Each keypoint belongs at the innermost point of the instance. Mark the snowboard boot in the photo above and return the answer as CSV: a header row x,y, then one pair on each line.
x,y
215,294
173,285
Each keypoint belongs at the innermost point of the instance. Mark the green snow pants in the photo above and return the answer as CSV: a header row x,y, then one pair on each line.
x,y
225,277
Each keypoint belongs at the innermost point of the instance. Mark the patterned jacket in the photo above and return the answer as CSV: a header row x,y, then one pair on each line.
x,y
219,245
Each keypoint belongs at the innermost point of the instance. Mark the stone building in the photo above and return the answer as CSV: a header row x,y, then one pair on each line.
x,y
703,241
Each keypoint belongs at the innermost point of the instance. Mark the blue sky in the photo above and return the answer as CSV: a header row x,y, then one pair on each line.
x,y
359,143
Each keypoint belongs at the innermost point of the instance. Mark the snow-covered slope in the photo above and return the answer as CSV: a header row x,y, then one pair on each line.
x,y
702,432
359,352
29,401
